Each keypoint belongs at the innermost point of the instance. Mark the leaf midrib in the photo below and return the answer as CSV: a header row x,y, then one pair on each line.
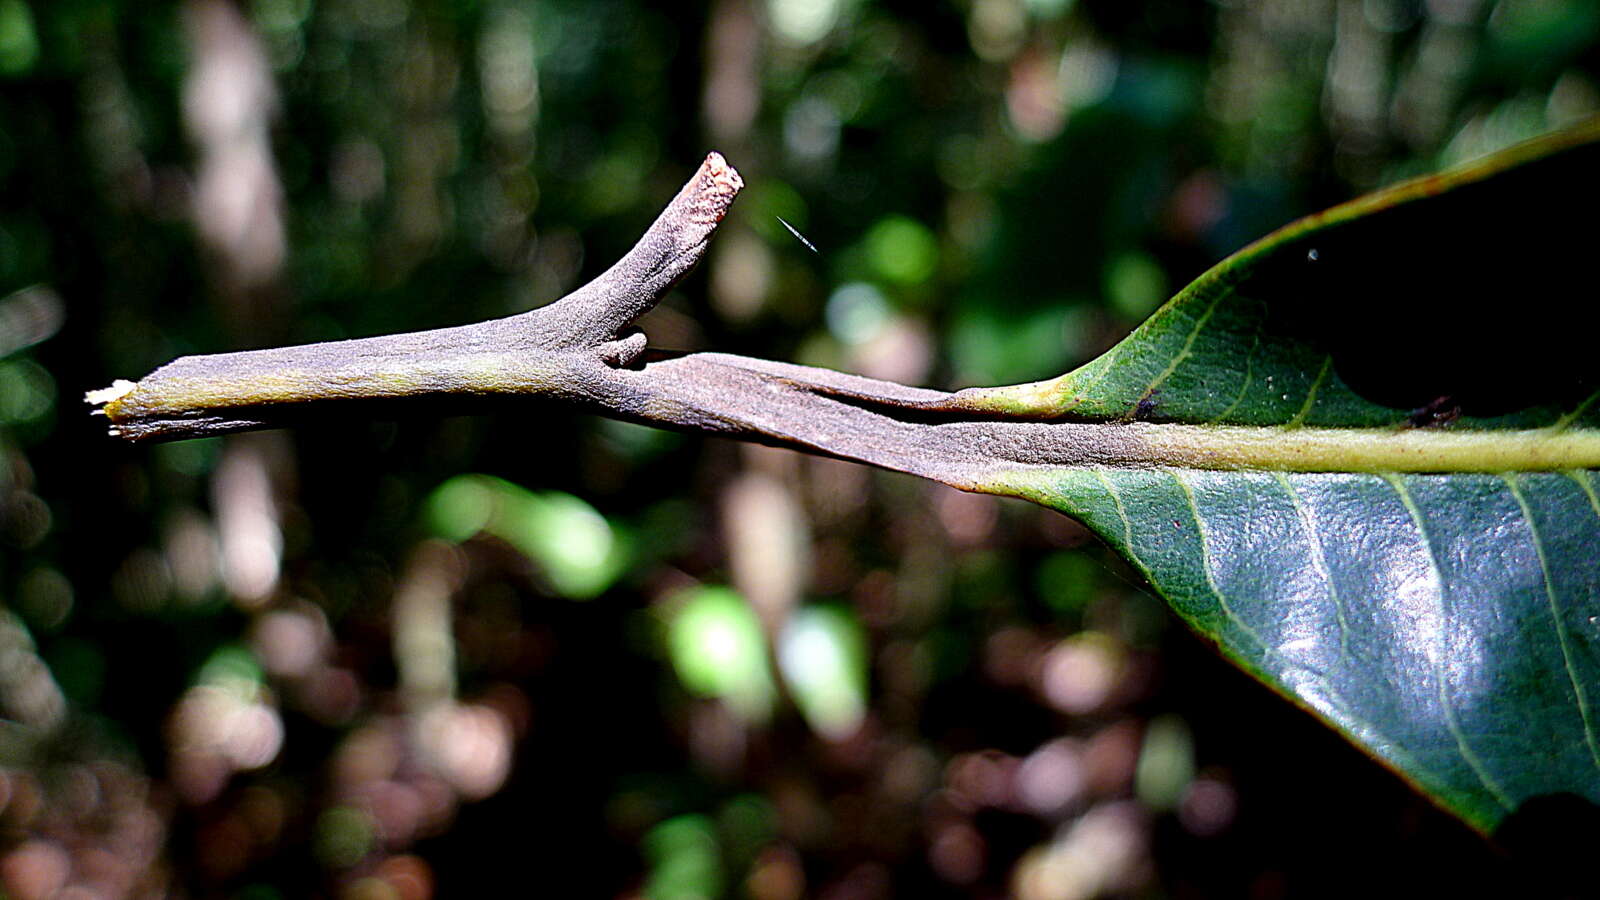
x,y
1285,448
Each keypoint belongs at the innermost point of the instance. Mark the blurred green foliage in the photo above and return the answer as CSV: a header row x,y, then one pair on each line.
x,y
718,650
577,550
958,695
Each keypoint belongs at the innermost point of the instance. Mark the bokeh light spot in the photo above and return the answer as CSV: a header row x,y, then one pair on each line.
x,y
344,835
685,860
902,250
822,654
857,312
803,21
1166,763
1135,285
718,650
19,41
26,391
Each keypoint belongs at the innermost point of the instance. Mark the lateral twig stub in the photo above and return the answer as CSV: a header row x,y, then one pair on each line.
x,y
541,352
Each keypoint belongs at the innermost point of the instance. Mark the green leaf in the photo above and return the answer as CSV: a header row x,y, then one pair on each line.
x,y
1367,471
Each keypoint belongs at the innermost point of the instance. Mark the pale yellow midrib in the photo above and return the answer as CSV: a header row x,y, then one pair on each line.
x,y
1282,449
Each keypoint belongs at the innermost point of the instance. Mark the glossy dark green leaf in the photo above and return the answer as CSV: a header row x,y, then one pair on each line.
x,y
1443,614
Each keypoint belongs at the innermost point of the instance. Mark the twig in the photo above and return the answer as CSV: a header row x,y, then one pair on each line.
x,y
553,350
581,350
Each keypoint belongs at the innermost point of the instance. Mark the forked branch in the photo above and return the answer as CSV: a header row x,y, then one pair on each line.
x,y
582,350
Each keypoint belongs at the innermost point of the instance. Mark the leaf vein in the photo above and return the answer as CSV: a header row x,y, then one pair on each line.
x,y
1183,354
1249,375
1205,564
1122,512
1311,394
1563,637
1319,561
1462,747
1582,478
1110,359
1577,411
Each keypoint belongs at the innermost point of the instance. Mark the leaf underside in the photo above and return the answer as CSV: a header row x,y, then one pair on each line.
x,y
1448,624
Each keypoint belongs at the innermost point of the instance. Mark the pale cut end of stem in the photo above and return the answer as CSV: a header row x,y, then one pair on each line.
x,y
722,183
120,388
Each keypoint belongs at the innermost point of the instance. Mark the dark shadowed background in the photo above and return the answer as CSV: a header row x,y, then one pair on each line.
x,y
542,651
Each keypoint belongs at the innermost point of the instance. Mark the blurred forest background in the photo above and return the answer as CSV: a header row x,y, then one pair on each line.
x,y
538,649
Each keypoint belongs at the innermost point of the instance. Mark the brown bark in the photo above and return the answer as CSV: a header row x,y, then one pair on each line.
x,y
582,350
